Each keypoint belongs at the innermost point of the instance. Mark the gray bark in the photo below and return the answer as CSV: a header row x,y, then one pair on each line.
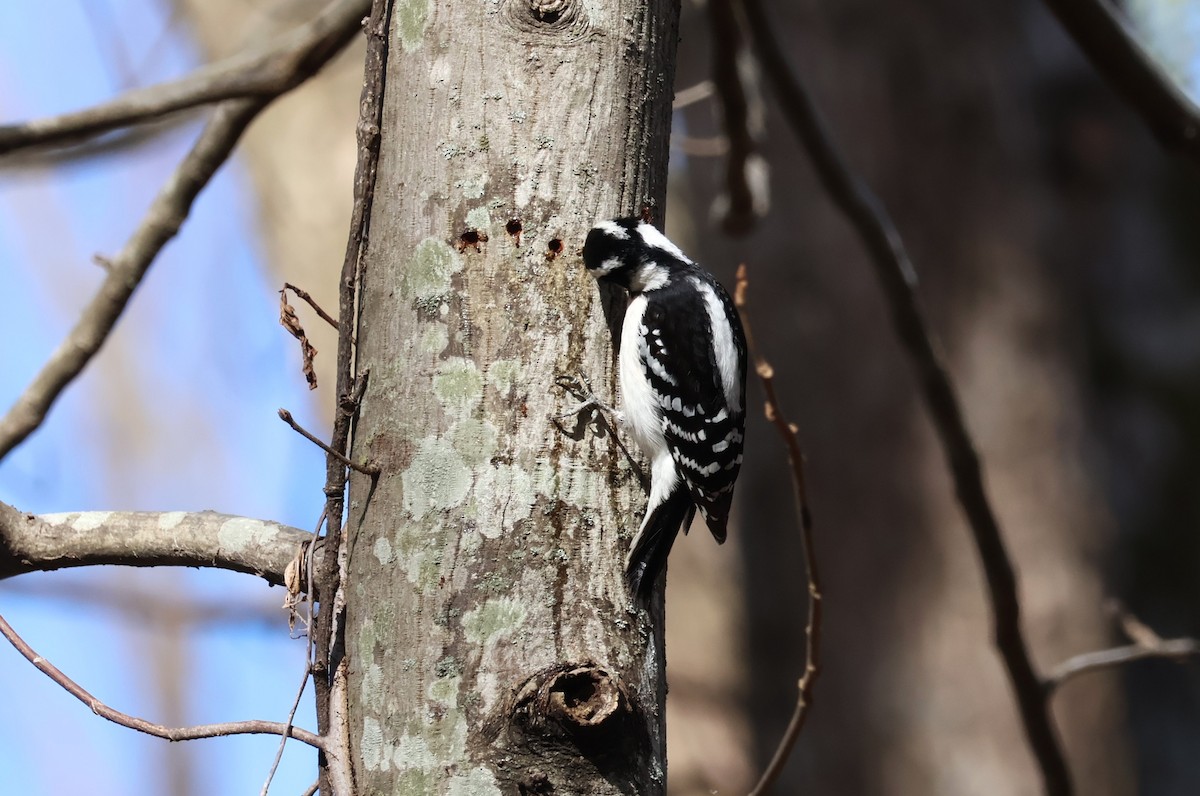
x,y
491,644
47,542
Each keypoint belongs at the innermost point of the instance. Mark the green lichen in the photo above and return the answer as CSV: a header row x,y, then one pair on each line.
x,y
472,187
415,782
383,550
495,583
427,275
435,338
458,384
412,18
383,613
371,745
445,691
503,374
448,666
235,534
499,616
412,752
476,782
470,543
479,218
437,478
372,687
475,441
366,641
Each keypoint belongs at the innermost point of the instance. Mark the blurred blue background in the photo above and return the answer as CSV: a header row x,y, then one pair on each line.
x,y
176,413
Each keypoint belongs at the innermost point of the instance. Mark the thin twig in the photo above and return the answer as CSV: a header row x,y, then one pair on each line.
x,y
1146,644
150,728
693,94
1115,52
291,718
312,789
264,73
303,294
366,469
713,146
1176,649
1135,629
788,433
898,279
348,389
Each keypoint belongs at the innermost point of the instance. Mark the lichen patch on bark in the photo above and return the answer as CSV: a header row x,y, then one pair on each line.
x,y
429,271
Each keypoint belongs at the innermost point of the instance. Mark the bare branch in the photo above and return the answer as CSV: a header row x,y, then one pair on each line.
x,y
1119,57
1176,649
812,657
745,198
898,280
693,94
1146,644
322,39
48,542
290,718
150,728
349,387
337,749
264,73
163,220
368,469
303,294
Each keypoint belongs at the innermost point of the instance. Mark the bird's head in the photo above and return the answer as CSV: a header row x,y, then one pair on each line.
x,y
631,253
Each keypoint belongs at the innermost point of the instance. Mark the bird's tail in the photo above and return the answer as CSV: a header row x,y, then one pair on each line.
x,y
648,554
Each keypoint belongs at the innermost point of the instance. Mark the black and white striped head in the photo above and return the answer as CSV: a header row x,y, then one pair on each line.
x,y
632,254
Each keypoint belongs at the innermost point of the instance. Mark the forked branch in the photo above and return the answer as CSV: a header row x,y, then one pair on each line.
x,y
1146,644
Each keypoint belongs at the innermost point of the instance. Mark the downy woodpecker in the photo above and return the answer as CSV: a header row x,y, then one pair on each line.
x,y
682,369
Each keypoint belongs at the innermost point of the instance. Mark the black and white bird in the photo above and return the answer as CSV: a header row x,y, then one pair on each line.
x,y
682,368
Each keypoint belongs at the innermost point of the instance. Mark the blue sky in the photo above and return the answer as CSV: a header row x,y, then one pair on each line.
x,y
177,412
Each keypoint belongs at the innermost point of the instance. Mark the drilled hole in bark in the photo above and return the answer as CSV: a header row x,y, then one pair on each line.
x,y
514,228
471,238
553,248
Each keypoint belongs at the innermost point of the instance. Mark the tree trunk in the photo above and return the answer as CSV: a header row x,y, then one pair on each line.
x,y
492,646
